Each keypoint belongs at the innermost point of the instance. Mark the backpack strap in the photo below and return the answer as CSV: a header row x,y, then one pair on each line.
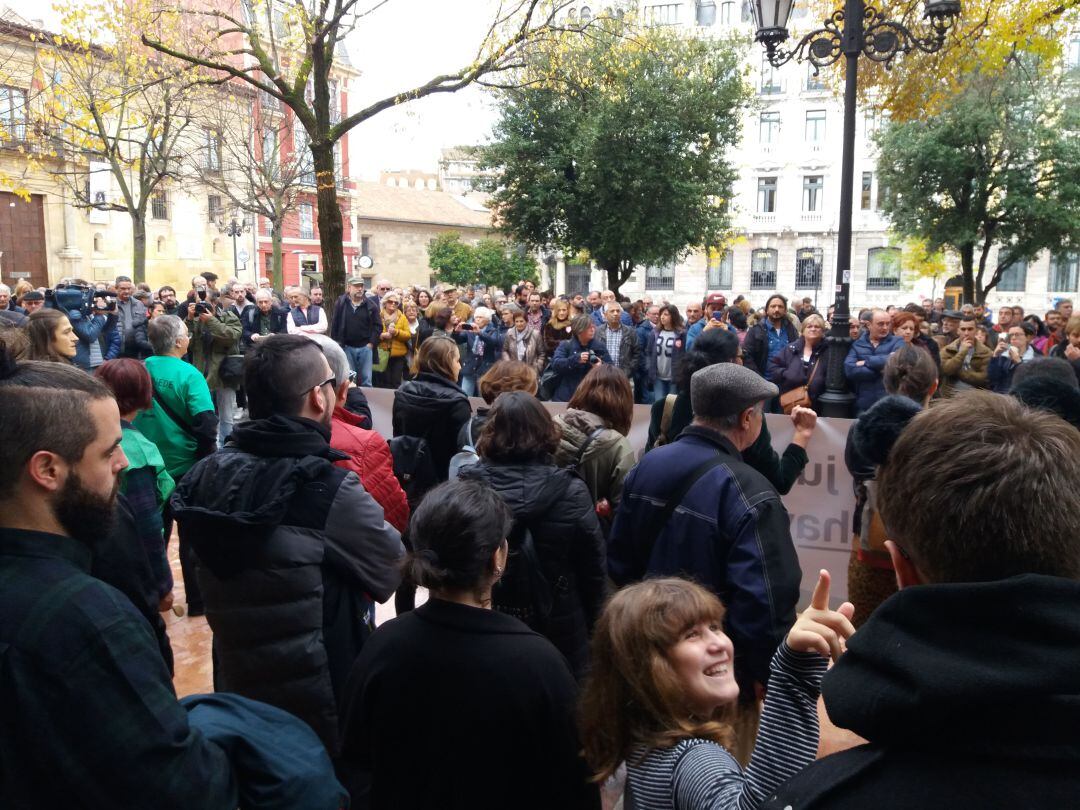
x,y
584,447
656,526
174,416
665,419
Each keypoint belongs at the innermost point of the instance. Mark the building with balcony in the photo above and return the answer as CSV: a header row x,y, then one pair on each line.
x,y
787,196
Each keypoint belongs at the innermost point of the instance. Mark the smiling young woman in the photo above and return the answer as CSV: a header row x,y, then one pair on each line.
x,y
662,677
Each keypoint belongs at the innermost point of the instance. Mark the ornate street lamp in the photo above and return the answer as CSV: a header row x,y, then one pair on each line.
x,y
856,29
234,228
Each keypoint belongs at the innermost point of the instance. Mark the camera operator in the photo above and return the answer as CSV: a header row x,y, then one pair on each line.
x,y
215,334
574,357
96,328
131,321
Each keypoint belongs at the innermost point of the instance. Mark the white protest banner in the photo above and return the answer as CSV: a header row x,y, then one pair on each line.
x,y
820,504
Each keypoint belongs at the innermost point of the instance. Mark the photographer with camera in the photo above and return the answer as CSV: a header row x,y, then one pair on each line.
x,y
96,328
131,321
215,334
574,357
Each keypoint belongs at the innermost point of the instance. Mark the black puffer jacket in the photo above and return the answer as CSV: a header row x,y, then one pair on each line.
x,y
557,508
968,697
434,409
291,549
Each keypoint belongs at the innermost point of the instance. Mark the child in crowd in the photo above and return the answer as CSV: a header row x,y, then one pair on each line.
x,y
662,677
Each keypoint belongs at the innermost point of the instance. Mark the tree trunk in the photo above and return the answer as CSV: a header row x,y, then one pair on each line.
x,y
331,231
617,274
138,247
277,274
967,268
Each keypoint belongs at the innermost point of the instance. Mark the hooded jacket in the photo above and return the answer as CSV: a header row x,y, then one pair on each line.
x,y
369,457
968,696
291,550
607,460
213,341
558,510
434,409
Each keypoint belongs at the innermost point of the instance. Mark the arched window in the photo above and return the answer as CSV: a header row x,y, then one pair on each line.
x,y
215,246
763,269
161,244
586,14
883,268
98,243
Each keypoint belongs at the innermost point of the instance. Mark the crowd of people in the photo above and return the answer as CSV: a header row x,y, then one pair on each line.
x,y
596,618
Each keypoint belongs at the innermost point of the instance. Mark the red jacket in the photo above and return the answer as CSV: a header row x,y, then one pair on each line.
x,y
369,458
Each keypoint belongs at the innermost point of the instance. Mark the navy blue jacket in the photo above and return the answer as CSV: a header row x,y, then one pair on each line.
x,y
566,362
730,533
866,379
101,328
250,322
787,371
473,365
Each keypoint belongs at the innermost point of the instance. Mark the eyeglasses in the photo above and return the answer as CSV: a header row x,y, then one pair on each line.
x,y
326,382
384,289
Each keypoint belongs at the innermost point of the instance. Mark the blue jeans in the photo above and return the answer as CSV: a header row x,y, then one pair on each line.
x,y
225,404
359,358
468,385
661,388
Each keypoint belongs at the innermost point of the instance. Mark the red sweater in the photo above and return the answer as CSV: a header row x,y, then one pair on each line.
x,y
369,458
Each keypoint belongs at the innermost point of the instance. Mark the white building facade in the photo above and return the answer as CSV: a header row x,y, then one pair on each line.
x,y
787,196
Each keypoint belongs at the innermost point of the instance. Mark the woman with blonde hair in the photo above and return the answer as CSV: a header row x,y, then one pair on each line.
x,y
557,329
394,342
662,680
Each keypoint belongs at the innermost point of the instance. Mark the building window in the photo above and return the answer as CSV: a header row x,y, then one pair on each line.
x,y
660,278
365,246
214,210
270,147
577,279
870,123
815,126
1014,279
808,268
1072,57
213,151
747,14
159,206
98,242
727,12
706,12
160,245
719,275
307,226
586,15
215,246
884,194
866,200
13,113
813,78
769,127
770,81
666,14
1064,270
883,268
812,185
766,195
763,269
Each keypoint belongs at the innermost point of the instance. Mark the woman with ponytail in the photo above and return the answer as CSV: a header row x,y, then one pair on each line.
x,y
454,705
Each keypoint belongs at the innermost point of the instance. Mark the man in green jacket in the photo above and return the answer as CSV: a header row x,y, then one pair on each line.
x,y
215,332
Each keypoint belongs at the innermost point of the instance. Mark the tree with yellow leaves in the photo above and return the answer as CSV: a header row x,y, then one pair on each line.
x,y
287,49
119,114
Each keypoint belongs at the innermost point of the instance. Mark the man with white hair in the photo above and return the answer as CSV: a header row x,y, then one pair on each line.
x,y
9,311
263,319
599,315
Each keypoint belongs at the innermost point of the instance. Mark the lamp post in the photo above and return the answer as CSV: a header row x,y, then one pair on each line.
x,y
234,228
858,28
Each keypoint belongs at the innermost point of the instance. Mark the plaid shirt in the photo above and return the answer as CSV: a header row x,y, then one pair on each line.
x,y
613,339
88,715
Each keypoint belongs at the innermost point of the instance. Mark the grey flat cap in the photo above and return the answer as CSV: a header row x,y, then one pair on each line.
x,y
724,389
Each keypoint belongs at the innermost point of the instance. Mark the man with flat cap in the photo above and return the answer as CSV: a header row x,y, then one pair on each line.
x,y
693,508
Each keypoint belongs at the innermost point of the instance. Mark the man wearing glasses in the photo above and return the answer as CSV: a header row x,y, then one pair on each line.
x,y
287,540
356,327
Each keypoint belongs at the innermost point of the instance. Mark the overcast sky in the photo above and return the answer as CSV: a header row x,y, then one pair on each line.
x,y
401,44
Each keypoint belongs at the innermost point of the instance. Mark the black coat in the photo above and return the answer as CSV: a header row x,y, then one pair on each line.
x,y
451,706
968,696
787,371
434,409
756,344
279,323
556,506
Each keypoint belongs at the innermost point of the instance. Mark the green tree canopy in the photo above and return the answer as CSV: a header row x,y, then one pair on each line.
x,y
615,143
491,262
1000,165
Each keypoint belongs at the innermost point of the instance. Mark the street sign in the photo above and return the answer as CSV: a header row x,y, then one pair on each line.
x,y
243,256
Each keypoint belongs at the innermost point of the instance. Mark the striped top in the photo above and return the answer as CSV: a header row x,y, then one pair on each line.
x,y
699,774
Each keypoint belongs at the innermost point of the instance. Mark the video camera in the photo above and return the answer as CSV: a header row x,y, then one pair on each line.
x,y
80,298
